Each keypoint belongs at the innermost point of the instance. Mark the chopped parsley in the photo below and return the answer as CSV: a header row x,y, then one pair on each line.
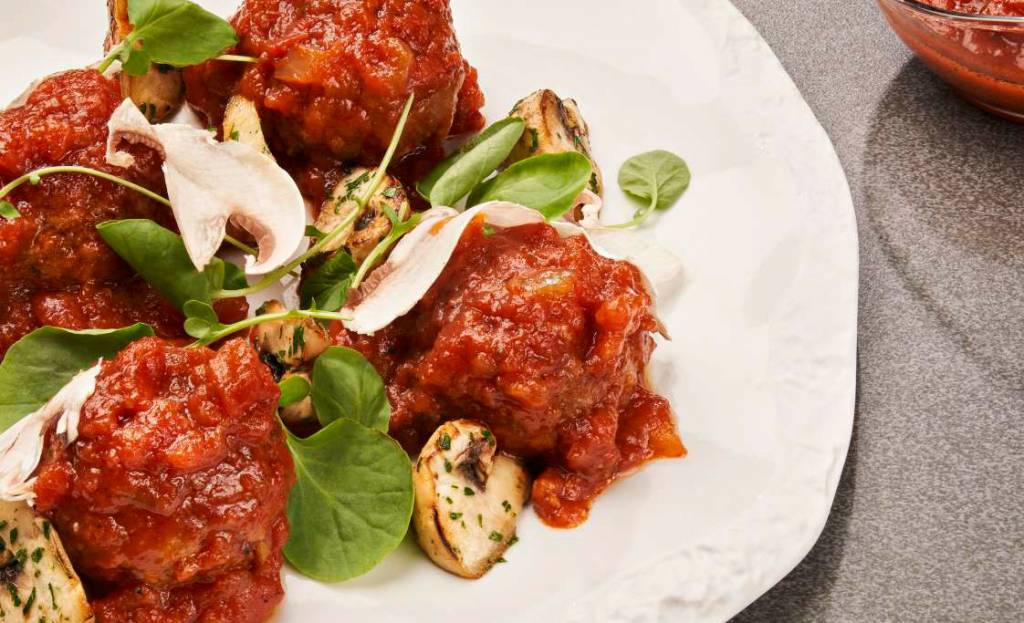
x,y
31,600
46,529
489,437
449,500
496,536
234,135
455,516
513,540
14,536
37,554
469,492
447,466
480,520
445,442
506,506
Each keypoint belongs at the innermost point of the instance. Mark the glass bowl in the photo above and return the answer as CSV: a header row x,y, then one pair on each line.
x,y
981,56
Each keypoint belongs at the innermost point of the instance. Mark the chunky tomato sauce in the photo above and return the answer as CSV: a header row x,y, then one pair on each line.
x,y
546,342
333,77
171,502
984,60
56,268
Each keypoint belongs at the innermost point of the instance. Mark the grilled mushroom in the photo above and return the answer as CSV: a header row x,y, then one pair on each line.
x,y
468,498
300,412
553,126
160,92
292,343
34,568
242,124
372,225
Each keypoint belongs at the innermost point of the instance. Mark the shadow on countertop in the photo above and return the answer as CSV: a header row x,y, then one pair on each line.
x,y
944,195
941,194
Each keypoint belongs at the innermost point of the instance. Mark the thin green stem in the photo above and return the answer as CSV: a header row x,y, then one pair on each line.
x,y
111,57
34,177
371,189
397,231
294,314
641,214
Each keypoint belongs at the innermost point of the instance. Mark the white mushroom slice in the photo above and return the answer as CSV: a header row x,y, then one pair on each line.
x,y
419,258
468,498
159,92
553,126
209,183
242,124
21,445
40,584
293,343
372,225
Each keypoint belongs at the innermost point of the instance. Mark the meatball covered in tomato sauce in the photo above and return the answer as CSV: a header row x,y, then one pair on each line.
x,y
171,501
546,342
57,270
333,76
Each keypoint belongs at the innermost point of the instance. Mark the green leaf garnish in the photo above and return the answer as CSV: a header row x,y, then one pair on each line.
x,y
293,389
159,255
8,211
327,287
38,365
657,179
548,183
460,173
201,321
170,32
345,385
351,503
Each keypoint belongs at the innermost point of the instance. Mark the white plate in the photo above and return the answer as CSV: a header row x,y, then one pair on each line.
x,y
761,371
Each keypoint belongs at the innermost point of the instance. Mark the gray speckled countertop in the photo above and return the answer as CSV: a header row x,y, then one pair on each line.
x,y
928,523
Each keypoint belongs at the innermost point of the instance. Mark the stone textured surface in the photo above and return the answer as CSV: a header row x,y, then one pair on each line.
x,y
928,523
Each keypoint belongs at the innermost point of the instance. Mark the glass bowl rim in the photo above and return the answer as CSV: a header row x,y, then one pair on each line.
x,y
1017,20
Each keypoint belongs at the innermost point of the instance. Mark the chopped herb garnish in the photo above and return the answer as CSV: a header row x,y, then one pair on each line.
x,y
445,442
449,500
53,597
14,536
455,516
501,560
234,135
489,437
46,529
469,492
30,602
15,597
506,506
496,536
480,520
513,540
447,466
37,554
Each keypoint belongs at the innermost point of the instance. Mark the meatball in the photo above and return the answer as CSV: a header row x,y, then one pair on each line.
x,y
57,270
334,75
546,342
172,499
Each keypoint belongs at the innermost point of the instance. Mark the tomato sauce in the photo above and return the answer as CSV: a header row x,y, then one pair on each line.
x,y
171,502
57,270
983,60
544,341
333,77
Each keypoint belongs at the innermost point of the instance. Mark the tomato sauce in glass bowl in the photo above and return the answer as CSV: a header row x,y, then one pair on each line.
x,y
976,46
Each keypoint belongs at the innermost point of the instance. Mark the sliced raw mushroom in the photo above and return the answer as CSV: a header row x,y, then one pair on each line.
x,y
301,412
553,126
158,93
468,498
372,225
242,124
292,343
210,183
39,582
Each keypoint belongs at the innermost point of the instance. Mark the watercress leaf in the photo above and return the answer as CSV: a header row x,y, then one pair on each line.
x,y
174,32
460,173
327,288
8,211
346,386
351,503
658,173
313,232
548,183
42,362
135,62
293,389
200,310
159,255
